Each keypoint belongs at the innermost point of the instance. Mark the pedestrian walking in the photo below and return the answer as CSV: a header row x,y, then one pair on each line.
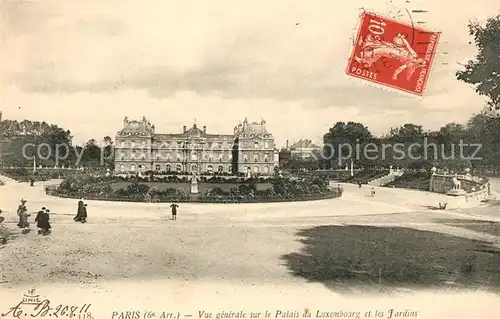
x,y
45,223
38,219
372,192
174,207
81,213
23,219
1,218
21,211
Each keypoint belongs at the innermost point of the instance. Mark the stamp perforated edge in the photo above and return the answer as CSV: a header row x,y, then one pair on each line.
x,y
357,81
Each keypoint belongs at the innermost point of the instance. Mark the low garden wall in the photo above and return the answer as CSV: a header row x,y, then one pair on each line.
x,y
41,174
440,183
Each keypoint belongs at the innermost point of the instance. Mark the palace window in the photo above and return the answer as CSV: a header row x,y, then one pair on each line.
x,y
194,168
179,168
266,144
194,156
266,169
221,169
256,158
255,169
132,144
266,159
229,168
132,168
210,168
122,144
168,168
122,168
255,144
158,167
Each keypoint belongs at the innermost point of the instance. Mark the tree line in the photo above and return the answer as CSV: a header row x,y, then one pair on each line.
x,y
50,145
454,145
482,73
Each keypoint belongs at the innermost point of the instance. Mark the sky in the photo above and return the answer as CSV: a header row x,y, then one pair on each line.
x,y
86,64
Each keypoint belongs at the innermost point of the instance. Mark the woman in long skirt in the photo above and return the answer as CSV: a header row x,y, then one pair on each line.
x,y
23,223
21,213
81,215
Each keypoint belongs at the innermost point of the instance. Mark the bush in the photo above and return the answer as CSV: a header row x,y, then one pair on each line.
x,y
281,189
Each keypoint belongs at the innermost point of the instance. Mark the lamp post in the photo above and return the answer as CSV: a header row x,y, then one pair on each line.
x,y
34,155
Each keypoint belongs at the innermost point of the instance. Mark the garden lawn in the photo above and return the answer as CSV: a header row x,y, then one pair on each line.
x,y
202,187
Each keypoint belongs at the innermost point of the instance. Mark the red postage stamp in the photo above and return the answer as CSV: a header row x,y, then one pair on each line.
x,y
393,54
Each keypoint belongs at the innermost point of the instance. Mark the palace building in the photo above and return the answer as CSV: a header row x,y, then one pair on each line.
x,y
250,149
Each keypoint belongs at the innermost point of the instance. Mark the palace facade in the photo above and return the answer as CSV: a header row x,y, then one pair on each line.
x,y
250,149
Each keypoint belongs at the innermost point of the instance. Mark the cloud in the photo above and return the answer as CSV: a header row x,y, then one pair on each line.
x,y
281,61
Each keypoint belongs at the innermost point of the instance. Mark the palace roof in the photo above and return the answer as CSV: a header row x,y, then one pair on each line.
x,y
304,144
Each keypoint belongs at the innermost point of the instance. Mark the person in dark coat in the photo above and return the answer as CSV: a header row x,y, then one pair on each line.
x,y
32,181
174,211
1,218
81,214
45,222
38,219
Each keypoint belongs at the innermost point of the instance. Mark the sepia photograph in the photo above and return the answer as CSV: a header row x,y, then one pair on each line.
x,y
249,159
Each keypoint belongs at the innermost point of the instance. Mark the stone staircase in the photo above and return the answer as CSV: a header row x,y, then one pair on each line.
x,y
384,180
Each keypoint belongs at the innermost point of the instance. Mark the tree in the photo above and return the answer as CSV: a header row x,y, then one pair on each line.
x,y
108,152
405,132
91,154
339,137
485,130
24,138
484,71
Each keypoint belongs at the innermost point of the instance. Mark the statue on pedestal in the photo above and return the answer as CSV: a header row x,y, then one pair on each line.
x,y
194,184
456,183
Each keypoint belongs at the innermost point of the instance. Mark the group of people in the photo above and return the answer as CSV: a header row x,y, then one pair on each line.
x,y
42,219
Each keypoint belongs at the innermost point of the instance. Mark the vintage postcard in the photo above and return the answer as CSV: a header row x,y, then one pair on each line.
x,y
249,159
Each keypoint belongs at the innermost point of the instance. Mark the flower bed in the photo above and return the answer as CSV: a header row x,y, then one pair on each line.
x,y
279,190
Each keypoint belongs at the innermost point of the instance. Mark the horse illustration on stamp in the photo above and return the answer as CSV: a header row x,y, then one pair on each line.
x,y
393,54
